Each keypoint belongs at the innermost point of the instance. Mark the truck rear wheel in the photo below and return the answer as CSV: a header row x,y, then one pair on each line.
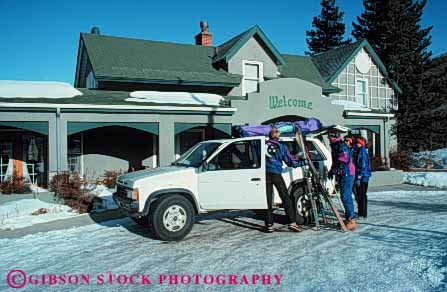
x,y
303,206
172,217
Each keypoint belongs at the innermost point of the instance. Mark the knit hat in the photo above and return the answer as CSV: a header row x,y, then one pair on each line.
x,y
361,141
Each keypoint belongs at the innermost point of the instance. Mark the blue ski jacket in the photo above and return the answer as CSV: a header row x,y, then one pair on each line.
x,y
277,153
345,160
363,165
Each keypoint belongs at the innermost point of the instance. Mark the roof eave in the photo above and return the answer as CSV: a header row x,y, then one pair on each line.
x,y
174,82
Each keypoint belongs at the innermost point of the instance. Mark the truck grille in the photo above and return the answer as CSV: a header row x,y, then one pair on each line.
x,y
121,191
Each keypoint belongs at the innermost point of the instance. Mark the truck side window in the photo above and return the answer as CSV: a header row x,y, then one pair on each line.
x,y
293,148
238,155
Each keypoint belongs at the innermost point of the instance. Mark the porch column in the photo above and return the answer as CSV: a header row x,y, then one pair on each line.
x,y
166,141
62,142
53,158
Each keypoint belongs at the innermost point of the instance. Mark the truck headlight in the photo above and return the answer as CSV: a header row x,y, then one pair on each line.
x,y
133,194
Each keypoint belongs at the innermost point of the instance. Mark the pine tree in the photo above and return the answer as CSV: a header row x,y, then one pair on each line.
x,y
393,29
328,29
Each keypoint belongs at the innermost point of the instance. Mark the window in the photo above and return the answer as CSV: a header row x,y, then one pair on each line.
x,y
91,81
6,149
75,152
238,155
253,74
362,92
314,153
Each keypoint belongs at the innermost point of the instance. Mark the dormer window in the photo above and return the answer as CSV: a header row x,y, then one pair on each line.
x,y
253,74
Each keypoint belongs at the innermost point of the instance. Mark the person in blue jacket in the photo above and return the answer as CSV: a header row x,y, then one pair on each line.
x,y
346,175
278,153
363,173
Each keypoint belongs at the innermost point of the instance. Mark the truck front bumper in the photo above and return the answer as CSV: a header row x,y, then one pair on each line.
x,y
128,205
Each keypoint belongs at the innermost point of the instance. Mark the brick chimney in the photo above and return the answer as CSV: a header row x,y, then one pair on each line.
x,y
204,38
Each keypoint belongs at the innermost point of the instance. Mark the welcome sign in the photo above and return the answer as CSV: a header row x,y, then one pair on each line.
x,y
278,102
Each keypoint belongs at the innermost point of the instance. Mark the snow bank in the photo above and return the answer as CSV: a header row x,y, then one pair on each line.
x,y
438,157
17,214
37,189
175,98
427,179
351,105
37,89
104,198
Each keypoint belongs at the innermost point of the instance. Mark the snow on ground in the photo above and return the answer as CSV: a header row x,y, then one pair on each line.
x,y
37,89
402,246
438,157
206,99
351,105
427,179
17,214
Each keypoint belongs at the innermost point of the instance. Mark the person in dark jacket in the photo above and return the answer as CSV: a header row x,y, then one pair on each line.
x,y
278,153
363,173
346,175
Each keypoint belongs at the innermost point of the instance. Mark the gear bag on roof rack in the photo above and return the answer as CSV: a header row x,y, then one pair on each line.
x,y
286,128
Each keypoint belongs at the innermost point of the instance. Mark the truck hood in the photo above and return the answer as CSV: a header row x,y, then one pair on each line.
x,y
129,179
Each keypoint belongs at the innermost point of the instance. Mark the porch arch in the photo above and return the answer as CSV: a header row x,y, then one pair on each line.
x,y
77,127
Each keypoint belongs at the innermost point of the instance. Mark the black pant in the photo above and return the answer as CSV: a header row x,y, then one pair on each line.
x,y
362,199
274,179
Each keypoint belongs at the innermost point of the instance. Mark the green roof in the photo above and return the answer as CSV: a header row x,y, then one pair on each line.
x,y
94,97
329,63
302,67
227,50
126,59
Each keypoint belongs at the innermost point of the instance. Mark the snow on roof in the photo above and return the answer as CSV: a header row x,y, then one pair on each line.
x,y
351,105
37,89
205,99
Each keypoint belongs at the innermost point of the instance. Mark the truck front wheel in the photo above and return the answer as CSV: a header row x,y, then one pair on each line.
x,y
172,217
302,204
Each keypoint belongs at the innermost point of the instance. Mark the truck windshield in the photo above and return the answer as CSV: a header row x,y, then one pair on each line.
x,y
195,156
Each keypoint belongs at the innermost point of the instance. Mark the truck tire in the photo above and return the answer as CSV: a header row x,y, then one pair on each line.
x,y
302,205
172,217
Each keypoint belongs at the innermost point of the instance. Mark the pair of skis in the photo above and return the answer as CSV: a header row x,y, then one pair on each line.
x,y
315,188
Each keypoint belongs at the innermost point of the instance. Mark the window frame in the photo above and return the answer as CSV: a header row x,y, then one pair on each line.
x,y
259,79
365,80
215,155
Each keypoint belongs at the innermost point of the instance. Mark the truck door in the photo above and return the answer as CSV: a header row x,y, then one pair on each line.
x,y
234,177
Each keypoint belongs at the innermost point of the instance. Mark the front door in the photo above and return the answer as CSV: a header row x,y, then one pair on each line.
x,y
234,178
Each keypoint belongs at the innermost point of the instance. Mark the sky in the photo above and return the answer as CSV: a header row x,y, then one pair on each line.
x,y
39,38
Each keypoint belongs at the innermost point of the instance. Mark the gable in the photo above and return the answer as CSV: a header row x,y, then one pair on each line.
x,y
333,62
253,50
228,49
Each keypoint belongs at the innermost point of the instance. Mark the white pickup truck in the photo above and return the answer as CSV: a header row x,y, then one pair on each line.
x,y
213,175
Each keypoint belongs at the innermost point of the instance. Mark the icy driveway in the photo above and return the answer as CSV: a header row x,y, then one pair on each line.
x,y
402,247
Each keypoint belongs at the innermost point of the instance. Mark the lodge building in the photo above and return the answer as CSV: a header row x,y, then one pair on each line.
x,y
138,103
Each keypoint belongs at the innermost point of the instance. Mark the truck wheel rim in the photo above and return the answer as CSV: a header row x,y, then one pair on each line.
x,y
174,218
302,206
